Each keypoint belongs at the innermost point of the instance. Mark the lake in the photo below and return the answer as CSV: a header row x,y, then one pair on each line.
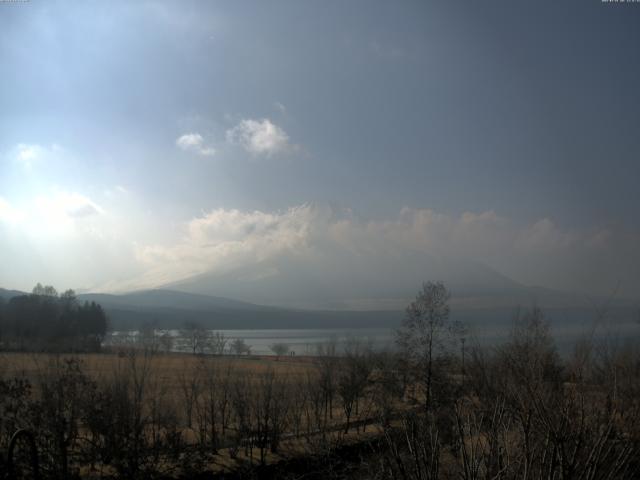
x,y
306,341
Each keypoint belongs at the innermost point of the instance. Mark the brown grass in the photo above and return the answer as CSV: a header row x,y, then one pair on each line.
x,y
166,373
168,366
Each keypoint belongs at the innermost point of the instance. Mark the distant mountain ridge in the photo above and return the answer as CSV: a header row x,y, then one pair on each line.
x,y
360,286
171,309
335,284
159,298
8,294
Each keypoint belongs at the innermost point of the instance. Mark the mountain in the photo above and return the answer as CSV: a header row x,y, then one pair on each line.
x,y
168,299
344,291
172,309
9,294
358,284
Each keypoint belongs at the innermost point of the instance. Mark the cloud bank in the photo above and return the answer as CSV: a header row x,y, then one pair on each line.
x,y
538,253
88,244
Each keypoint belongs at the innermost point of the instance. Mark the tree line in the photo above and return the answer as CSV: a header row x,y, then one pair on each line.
x,y
192,338
47,321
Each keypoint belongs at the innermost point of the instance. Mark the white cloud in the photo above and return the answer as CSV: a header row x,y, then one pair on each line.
x,y
28,154
545,236
194,143
260,137
224,241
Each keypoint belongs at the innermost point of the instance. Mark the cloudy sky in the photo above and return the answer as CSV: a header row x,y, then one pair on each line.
x,y
142,143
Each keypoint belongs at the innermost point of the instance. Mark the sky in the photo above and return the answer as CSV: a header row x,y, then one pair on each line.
x,y
143,143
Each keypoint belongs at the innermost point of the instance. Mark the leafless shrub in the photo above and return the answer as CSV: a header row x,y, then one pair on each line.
x,y
413,450
56,413
355,367
213,402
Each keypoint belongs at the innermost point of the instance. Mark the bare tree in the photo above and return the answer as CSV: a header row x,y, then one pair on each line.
x,y
148,337
190,387
327,364
356,366
268,406
315,406
387,389
299,397
421,337
166,342
213,402
243,413
239,347
218,343
63,387
196,337
280,349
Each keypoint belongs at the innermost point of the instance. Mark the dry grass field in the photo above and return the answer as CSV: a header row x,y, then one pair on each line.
x,y
169,367
179,385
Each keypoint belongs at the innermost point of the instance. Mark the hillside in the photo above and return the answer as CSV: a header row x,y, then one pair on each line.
x,y
171,309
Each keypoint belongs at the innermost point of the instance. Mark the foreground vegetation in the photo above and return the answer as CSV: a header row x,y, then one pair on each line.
x,y
436,408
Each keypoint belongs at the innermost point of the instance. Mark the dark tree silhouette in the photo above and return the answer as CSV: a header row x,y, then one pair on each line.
x,y
44,320
421,335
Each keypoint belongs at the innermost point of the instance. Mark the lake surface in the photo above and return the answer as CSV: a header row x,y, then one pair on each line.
x,y
307,341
